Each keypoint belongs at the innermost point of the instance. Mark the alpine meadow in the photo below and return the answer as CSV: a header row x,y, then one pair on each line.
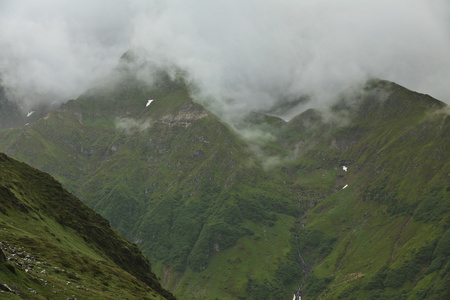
x,y
158,151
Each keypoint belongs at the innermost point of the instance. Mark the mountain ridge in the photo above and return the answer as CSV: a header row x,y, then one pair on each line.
x,y
199,197
39,217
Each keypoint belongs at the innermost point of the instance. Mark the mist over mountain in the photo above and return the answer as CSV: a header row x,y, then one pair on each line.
x,y
240,56
347,202
251,150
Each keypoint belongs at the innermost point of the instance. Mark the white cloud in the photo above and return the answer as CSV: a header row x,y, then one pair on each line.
x,y
131,126
251,51
255,51
56,49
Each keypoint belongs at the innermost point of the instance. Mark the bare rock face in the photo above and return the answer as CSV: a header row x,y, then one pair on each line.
x,y
187,114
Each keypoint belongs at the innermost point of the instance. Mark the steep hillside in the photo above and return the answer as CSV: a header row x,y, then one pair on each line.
x,y
385,232
52,245
171,177
335,204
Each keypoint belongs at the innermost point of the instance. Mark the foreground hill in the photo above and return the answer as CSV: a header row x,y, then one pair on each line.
x,y
221,216
54,246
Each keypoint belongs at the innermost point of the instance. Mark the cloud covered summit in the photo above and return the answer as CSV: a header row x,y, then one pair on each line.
x,y
241,54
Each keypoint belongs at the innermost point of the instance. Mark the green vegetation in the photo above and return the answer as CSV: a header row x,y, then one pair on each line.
x,y
171,176
387,223
224,214
55,246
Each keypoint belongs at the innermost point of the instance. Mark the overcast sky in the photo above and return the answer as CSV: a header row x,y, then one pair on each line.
x,y
252,51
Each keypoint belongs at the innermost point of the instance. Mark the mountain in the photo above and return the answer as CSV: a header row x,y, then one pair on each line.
x,y
10,115
53,245
264,208
13,114
385,233
170,176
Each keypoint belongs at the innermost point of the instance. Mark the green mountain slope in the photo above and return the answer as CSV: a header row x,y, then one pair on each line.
x,y
227,217
171,177
388,229
55,246
379,228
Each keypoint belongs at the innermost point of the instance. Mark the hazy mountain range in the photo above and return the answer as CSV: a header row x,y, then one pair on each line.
x,y
348,202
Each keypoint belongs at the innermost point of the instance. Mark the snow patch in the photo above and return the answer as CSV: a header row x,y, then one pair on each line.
x,y
148,102
30,113
344,168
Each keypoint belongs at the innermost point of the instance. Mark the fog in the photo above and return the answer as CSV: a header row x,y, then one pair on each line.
x,y
242,55
53,50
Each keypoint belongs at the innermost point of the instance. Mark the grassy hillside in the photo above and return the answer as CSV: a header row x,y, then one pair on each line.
x,y
171,177
386,234
247,214
378,228
55,246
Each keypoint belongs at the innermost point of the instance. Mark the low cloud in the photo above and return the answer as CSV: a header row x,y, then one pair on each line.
x,y
54,50
131,125
248,55
242,55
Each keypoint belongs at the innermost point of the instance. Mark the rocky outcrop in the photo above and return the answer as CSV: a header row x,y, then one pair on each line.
x,y
187,114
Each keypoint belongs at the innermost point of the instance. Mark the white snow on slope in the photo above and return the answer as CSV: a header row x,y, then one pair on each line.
x,y
30,113
148,102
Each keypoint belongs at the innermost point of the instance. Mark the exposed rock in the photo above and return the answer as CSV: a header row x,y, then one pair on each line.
x,y
187,114
5,287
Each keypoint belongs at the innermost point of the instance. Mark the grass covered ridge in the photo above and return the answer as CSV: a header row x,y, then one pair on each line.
x,y
56,246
